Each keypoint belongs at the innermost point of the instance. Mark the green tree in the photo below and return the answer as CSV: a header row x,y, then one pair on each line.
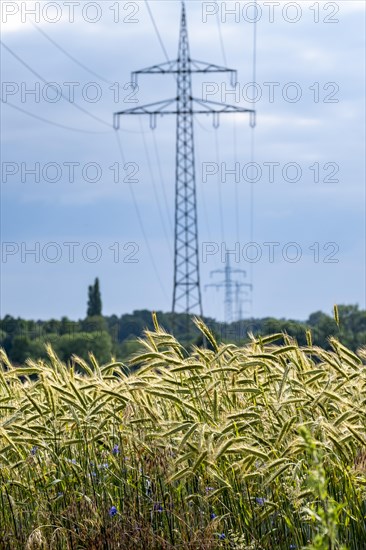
x,y
83,343
23,348
3,336
97,323
94,300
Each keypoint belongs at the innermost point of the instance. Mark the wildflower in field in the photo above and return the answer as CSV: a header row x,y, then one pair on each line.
x,y
158,507
112,511
222,536
213,515
209,489
260,501
115,450
34,450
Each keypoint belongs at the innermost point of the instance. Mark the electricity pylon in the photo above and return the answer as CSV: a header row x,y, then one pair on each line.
x,y
229,285
186,291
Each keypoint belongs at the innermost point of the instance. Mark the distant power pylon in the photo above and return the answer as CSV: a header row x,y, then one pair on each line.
x,y
187,290
231,287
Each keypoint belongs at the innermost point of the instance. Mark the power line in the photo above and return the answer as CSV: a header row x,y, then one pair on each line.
x,y
77,130
236,183
252,155
252,152
156,195
219,186
162,181
221,39
203,202
202,191
51,122
156,30
236,191
74,59
252,144
79,63
139,217
64,97
76,105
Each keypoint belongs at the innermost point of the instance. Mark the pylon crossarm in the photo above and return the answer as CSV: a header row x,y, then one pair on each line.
x,y
153,109
161,68
203,67
162,108
217,107
171,67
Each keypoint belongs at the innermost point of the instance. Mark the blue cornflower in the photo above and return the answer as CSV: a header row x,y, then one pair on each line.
x,y
115,450
158,507
34,450
260,501
112,511
213,515
222,536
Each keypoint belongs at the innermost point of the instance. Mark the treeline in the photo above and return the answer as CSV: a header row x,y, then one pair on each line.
x,y
108,336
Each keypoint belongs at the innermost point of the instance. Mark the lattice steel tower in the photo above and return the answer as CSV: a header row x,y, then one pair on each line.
x,y
230,286
187,289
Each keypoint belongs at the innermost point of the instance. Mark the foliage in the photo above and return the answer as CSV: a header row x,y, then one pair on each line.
x,y
259,447
24,339
94,300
